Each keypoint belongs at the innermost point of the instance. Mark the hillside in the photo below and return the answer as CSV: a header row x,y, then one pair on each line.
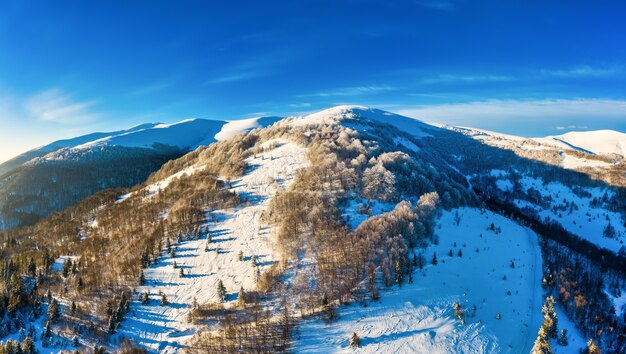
x,y
50,178
293,236
605,164
420,317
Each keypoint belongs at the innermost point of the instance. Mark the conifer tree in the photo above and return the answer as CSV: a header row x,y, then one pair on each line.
x,y
592,348
221,291
54,312
241,298
562,340
541,346
550,317
399,273
434,261
354,340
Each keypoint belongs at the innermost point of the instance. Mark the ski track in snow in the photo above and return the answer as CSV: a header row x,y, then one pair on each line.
x,y
165,328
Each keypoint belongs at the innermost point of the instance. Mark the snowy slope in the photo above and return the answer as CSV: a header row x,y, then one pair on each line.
x,y
419,317
65,143
236,127
597,141
189,133
584,220
186,134
165,328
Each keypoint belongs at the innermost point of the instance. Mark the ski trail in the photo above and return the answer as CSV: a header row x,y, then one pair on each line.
x,y
536,298
165,329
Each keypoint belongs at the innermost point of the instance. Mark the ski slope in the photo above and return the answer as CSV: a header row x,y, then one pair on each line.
x,y
165,329
419,317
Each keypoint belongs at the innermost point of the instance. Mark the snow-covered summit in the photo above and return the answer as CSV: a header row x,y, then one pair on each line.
x,y
185,134
363,113
188,133
241,126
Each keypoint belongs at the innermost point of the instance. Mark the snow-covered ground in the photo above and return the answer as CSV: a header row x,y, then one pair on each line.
x,y
575,338
335,114
165,328
573,163
419,317
587,222
236,127
596,141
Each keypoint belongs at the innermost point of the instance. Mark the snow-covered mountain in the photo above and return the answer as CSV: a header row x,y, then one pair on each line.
x,y
117,159
351,222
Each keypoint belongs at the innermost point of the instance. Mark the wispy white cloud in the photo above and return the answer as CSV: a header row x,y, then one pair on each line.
x,y
584,71
521,108
468,79
560,127
300,105
235,77
524,115
54,105
352,91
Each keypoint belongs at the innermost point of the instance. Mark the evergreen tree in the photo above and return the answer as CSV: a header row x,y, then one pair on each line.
x,y
562,340
434,261
142,277
28,346
112,325
541,346
221,291
32,268
240,256
54,312
67,266
592,348
80,284
354,340
550,317
241,298
460,254
48,330
609,231
399,273
164,301
421,261
182,272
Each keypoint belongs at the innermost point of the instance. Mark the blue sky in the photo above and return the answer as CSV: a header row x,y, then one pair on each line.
x,y
523,67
